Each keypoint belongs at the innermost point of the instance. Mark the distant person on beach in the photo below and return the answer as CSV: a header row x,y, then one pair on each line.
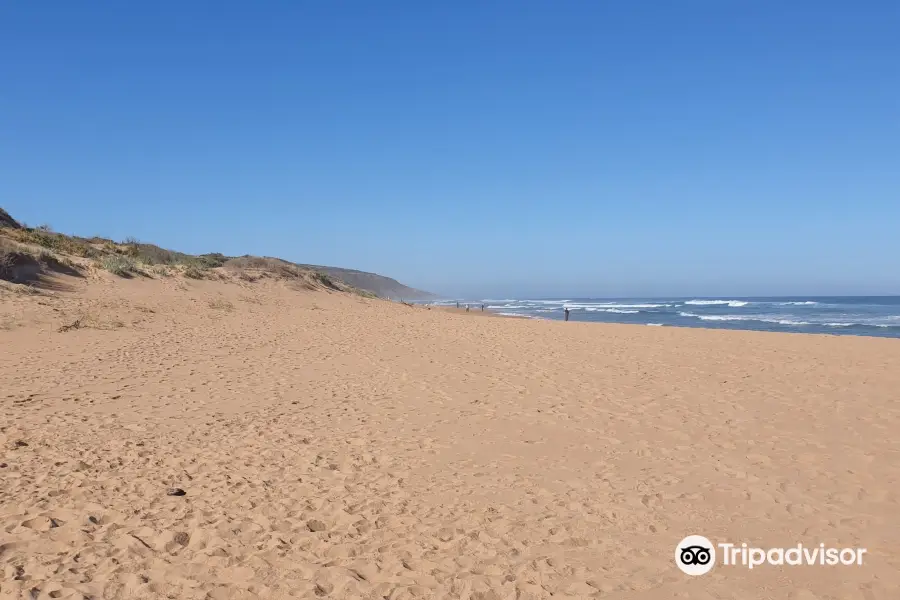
x,y
467,308
482,308
566,309
457,304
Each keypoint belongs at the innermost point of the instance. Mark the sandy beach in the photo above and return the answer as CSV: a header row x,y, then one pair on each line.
x,y
335,446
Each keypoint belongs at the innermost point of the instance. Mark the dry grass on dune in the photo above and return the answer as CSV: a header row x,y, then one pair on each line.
x,y
35,256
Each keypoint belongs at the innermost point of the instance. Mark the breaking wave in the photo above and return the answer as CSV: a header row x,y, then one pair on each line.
x,y
732,303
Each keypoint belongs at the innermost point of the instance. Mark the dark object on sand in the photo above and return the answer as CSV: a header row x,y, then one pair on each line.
x,y
567,313
176,492
315,525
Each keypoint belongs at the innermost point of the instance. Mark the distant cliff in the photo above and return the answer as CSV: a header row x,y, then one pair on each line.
x,y
377,284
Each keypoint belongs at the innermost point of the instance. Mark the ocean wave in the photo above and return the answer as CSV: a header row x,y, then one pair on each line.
x,y
512,314
607,305
728,318
731,303
857,324
760,318
623,311
781,320
655,324
806,303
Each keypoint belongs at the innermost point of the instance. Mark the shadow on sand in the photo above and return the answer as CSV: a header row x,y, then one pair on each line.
x,y
41,275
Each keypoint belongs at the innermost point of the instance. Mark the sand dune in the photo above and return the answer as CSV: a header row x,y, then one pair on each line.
x,y
340,447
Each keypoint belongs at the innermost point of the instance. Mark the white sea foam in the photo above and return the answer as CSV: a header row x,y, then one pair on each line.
x,y
732,303
727,318
623,311
608,305
760,318
806,303
856,323
791,322
655,324
512,314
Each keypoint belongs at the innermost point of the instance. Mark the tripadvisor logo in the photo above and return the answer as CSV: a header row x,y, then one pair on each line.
x,y
696,555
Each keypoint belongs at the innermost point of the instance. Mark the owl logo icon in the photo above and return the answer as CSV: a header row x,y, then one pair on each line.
x,y
695,555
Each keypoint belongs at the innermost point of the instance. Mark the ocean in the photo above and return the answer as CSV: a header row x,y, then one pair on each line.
x,y
841,315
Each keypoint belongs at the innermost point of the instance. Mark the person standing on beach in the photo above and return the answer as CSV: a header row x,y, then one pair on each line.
x,y
567,312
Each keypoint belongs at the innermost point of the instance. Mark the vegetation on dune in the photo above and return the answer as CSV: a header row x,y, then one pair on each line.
x,y
118,264
193,272
41,246
55,242
325,280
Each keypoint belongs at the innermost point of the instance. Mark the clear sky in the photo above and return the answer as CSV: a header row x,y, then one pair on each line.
x,y
517,148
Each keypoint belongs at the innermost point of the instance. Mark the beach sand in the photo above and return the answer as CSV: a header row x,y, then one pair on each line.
x,y
339,447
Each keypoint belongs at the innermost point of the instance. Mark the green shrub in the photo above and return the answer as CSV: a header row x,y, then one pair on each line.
x,y
326,280
211,261
154,255
192,272
43,238
118,265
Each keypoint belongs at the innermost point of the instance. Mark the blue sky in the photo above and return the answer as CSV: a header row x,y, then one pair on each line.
x,y
699,147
